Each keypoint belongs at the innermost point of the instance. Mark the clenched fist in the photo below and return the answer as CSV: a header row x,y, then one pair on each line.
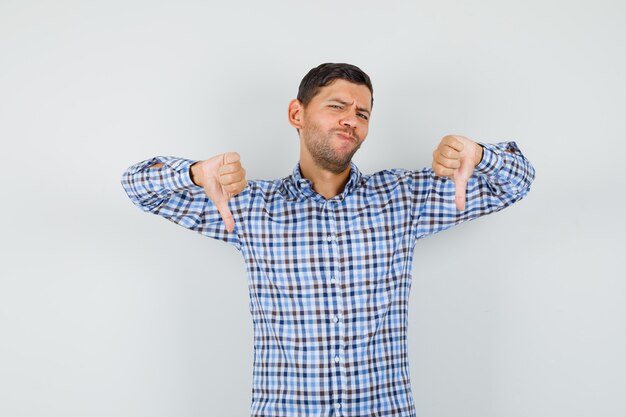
x,y
456,157
221,177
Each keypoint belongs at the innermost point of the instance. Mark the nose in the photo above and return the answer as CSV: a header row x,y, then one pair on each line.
x,y
348,121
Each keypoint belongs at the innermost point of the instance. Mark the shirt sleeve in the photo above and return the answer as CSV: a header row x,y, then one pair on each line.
x,y
502,177
169,192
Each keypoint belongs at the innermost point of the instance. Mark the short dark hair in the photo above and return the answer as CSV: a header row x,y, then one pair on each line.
x,y
324,74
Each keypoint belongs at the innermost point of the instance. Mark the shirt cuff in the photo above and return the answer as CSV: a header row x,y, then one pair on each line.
x,y
491,162
181,180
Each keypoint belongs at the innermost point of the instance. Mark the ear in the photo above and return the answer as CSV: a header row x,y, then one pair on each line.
x,y
295,113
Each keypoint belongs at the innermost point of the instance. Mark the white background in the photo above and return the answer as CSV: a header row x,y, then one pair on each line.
x,y
109,311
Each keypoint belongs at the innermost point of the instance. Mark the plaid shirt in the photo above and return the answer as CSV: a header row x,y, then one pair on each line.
x,y
329,280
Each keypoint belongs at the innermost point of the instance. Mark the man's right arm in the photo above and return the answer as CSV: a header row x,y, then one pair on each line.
x,y
193,194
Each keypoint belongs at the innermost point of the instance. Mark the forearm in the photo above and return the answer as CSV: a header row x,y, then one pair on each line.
x,y
506,170
152,182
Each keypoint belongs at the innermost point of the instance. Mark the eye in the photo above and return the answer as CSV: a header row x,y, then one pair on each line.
x,y
335,106
363,116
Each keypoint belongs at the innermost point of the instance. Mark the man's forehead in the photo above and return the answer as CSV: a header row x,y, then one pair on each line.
x,y
346,90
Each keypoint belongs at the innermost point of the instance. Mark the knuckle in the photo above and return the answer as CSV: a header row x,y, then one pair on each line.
x,y
226,179
230,157
233,157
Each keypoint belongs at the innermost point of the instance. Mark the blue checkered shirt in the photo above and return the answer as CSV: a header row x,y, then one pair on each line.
x,y
329,280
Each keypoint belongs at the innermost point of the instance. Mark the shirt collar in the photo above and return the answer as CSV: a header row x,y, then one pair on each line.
x,y
304,187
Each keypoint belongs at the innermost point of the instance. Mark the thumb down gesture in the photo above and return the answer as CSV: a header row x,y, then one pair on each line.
x,y
456,157
221,177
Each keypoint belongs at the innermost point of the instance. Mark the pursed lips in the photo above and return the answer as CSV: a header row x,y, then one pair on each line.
x,y
346,136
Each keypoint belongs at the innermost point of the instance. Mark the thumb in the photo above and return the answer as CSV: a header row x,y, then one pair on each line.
x,y
461,177
460,185
227,216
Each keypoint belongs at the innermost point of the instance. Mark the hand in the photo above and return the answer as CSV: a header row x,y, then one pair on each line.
x,y
221,177
456,157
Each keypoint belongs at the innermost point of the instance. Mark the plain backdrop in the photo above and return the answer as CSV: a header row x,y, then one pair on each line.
x,y
109,311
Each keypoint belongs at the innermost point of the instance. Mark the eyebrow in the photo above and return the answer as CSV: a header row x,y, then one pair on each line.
x,y
345,103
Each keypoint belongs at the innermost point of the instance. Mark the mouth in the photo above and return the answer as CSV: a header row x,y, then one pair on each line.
x,y
346,136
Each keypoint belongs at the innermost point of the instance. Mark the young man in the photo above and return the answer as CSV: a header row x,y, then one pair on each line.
x,y
328,249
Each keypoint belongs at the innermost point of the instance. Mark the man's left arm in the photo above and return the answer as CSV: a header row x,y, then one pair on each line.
x,y
468,180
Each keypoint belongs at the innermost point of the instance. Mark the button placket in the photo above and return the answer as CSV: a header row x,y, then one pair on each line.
x,y
334,303
338,352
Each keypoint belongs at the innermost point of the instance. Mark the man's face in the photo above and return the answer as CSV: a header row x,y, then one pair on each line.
x,y
335,123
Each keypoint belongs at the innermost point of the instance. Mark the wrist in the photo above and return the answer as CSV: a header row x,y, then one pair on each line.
x,y
478,154
194,174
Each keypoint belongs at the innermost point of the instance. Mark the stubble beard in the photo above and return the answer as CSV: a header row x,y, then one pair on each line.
x,y
320,147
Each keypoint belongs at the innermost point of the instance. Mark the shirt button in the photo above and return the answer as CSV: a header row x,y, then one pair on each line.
x,y
329,238
333,280
337,406
335,319
337,359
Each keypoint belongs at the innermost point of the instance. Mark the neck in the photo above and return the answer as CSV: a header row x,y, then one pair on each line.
x,y
326,183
